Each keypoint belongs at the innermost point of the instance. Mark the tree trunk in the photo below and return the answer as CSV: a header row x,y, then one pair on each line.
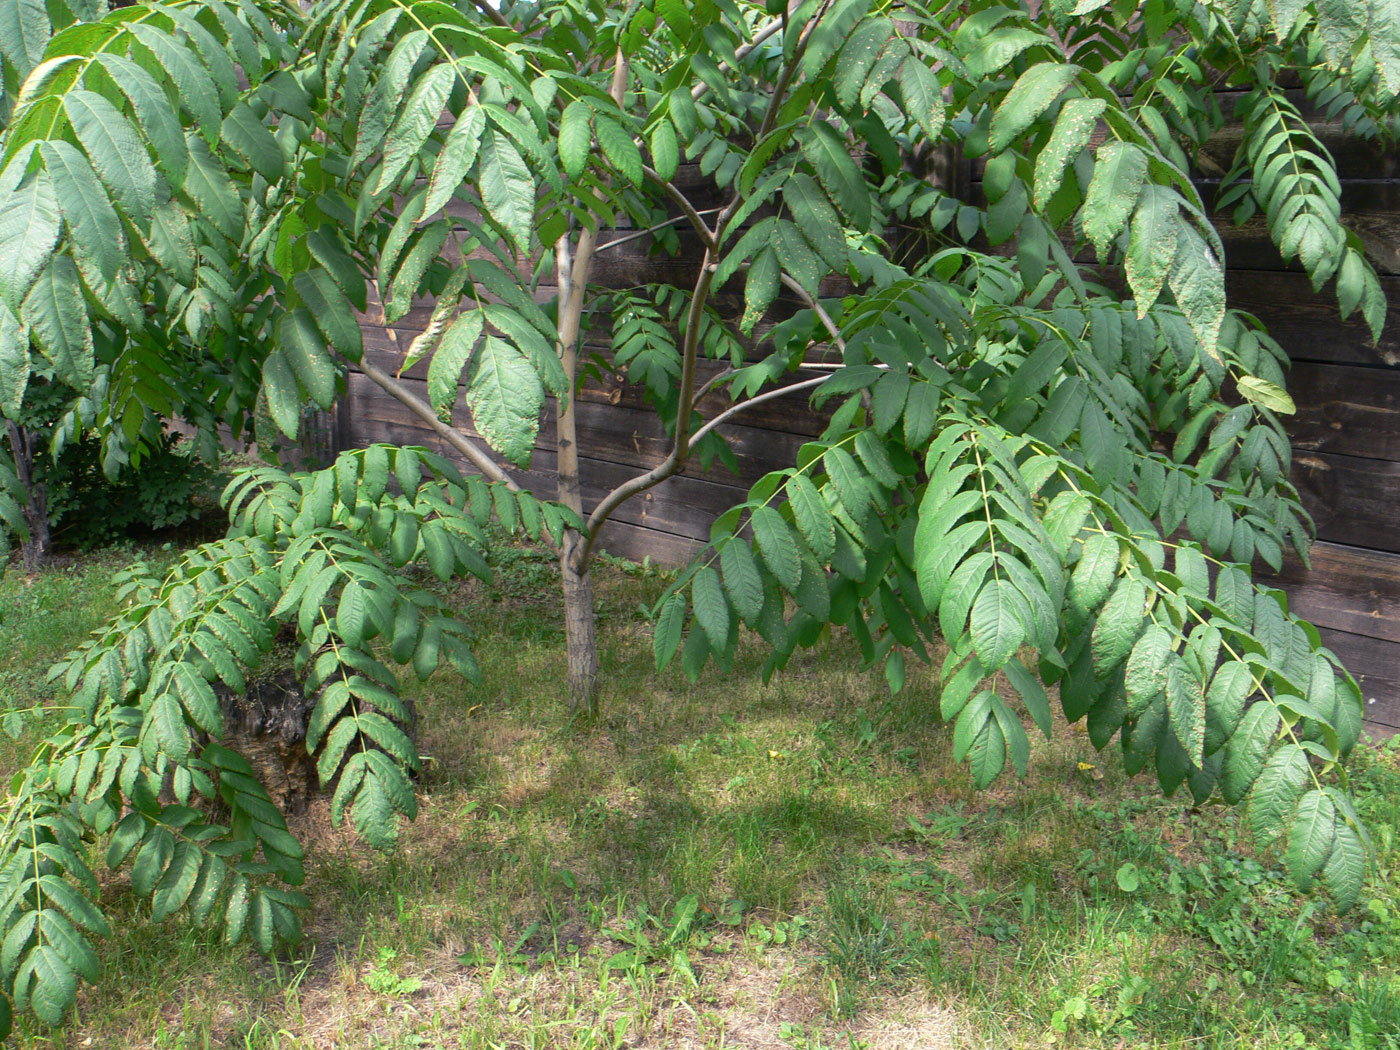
x,y
580,636
35,549
579,633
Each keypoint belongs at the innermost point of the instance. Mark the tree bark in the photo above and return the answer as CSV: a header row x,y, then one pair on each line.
x,y
580,632
35,549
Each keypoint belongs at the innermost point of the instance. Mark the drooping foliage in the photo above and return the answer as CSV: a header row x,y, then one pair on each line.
x,y
1051,444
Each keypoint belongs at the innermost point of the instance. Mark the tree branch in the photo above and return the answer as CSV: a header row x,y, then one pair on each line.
x,y
816,308
768,395
713,382
489,10
775,26
474,454
706,234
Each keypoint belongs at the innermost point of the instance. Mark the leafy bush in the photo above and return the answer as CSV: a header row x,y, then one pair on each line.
x,y
170,487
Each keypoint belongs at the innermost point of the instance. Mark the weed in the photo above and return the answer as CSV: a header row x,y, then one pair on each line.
x,y
382,979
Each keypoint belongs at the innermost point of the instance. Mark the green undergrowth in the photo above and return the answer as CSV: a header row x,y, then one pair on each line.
x,y
738,865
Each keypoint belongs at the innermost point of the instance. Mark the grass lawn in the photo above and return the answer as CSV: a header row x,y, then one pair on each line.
x,y
738,865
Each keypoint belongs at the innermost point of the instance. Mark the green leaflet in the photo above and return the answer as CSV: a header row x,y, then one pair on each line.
x,y
666,638
999,623
208,185
1073,127
189,75
742,581
817,220
776,544
1034,92
153,113
332,312
1152,244
665,150
93,225
507,188
1186,710
923,96
1118,625
450,360
29,228
1119,171
711,608
24,34
251,139
575,137
171,241
383,102
1358,285
1198,283
505,396
1147,669
116,152
1311,836
813,517
1270,395
414,125
279,386
457,156
300,341
830,157
1094,574
15,365
1276,791
618,147
760,287
57,317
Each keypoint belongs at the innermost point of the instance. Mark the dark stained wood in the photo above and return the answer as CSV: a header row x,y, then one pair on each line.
x,y
1347,589
1353,500
1308,324
1346,409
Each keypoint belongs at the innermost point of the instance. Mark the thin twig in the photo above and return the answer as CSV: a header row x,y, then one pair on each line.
x,y
775,26
676,221
489,10
768,395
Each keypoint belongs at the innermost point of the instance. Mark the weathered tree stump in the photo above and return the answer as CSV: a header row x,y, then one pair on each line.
x,y
267,726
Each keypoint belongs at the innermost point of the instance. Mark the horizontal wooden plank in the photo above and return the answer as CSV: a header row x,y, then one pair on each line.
x,y
610,432
1347,589
1306,323
1346,409
624,539
1352,499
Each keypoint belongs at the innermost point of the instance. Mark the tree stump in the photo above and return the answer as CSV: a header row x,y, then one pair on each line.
x,y
267,726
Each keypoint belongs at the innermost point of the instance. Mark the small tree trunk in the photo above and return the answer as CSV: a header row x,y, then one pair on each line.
x,y
579,632
581,640
35,549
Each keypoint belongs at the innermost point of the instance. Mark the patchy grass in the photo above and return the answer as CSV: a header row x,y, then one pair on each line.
x,y
734,864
